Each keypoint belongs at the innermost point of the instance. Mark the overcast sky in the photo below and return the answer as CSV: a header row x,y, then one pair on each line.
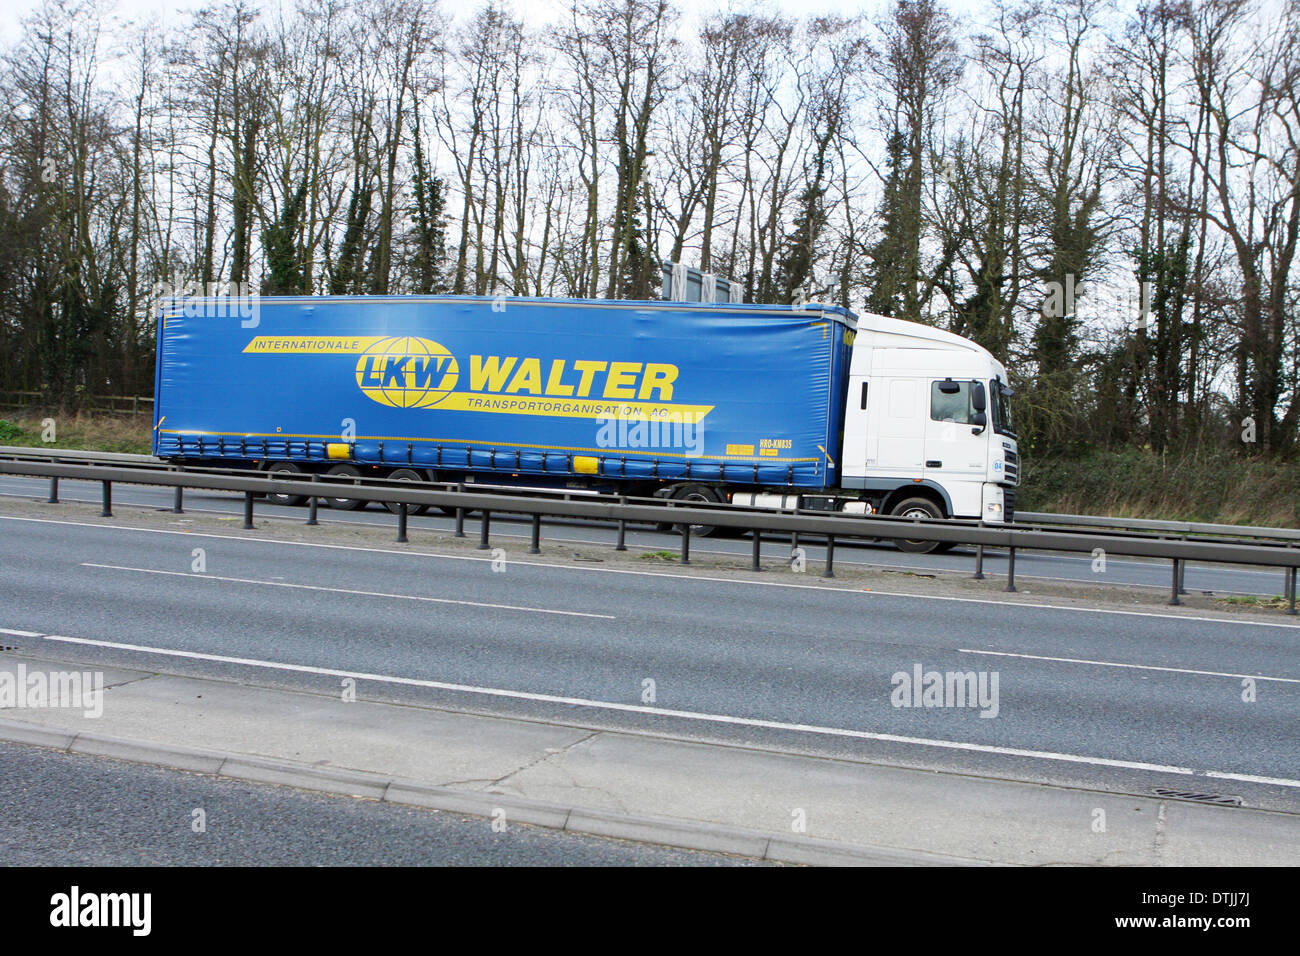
x,y
534,11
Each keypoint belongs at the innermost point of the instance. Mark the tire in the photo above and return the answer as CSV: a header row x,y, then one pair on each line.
x,y
284,468
344,504
922,508
406,474
702,493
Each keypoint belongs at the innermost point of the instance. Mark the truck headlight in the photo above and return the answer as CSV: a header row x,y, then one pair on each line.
x,y
995,508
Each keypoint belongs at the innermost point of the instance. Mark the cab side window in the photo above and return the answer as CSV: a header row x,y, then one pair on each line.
x,y
950,402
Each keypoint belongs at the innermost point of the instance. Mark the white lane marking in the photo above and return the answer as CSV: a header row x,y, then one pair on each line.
x,y
628,708
1142,667
662,574
1251,778
12,633
380,594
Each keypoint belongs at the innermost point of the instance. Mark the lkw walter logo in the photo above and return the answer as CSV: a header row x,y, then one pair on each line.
x,y
410,372
407,372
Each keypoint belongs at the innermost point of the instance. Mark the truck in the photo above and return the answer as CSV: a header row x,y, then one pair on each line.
x,y
781,406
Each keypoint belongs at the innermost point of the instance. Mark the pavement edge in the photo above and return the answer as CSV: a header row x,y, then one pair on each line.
x,y
665,831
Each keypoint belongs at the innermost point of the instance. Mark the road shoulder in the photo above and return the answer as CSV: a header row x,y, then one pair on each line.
x,y
706,796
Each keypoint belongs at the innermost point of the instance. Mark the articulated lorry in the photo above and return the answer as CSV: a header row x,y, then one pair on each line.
x,y
784,406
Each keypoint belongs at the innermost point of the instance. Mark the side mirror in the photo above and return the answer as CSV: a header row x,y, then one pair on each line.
x,y
979,421
978,397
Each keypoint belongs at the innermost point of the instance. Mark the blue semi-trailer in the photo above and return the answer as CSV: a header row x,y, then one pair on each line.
x,y
702,401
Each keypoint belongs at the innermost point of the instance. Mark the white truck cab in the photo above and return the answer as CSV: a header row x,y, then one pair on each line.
x,y
928,430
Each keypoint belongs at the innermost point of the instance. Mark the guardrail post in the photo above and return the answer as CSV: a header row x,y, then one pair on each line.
x,y
1173,596
979,563
178,500
621,545
830,557
686,543
107,510
1290,590
483,530
1182,576
1011,570
248,510
53,499
313,503
535,547
401,523
460,516
757,564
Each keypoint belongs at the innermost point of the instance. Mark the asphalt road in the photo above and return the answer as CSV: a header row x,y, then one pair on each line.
x,y
74,810
1119,701
1135,572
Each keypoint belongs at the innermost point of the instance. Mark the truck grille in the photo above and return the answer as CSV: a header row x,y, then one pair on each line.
x,y
1009,504
1011,467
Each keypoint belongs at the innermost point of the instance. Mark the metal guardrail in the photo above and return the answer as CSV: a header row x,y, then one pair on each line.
x,y
78,454
486,500
1163,527
1023,518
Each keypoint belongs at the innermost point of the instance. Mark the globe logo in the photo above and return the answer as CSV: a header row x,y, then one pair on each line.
x,y
407,372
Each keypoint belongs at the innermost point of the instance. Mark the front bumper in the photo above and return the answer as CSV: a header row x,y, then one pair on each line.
x,y
999,504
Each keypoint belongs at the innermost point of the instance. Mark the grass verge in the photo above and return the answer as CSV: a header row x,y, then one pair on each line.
x,y
118,433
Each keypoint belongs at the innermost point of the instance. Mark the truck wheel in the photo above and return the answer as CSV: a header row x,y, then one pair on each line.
x,y
284,468
924,509
405,474
344,504
701,493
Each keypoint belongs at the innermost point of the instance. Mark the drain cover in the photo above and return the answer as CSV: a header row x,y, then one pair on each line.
x,y
1218,798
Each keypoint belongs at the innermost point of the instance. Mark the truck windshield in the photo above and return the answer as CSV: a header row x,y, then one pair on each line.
x,y
1000,400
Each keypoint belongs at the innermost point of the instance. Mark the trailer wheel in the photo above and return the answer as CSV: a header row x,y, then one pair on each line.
x,y
284,468
926,510
405,474
344,504
701,493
